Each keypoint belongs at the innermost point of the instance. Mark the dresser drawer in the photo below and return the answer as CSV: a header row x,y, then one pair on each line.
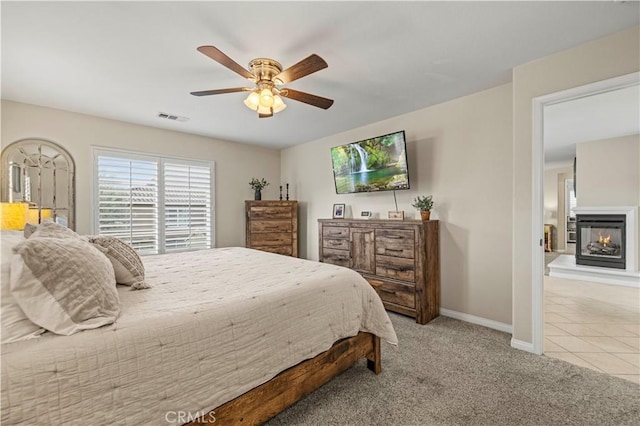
x,y
286,250
271,212
335,232
395,242
398,293
271,239
271,226
333,243
396,267
336,257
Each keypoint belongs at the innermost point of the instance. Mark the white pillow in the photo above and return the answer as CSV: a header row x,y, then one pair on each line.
x,y
15,324
64,285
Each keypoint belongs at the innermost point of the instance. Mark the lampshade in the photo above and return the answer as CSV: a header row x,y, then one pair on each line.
x,y
252,101
13,215
32,216
266,98
278,104
264,110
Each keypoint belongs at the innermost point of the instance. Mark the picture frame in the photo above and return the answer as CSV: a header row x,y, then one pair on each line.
x,y
396,215
366,214
338,211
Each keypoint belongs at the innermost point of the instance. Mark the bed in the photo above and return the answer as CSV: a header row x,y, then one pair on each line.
x,y
218,329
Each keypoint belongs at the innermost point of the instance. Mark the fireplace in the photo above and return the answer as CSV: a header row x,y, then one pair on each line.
x,y
601,240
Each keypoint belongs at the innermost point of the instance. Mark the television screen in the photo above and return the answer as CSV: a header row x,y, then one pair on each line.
x,y
376,164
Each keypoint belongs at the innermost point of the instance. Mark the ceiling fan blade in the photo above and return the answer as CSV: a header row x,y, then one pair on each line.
x,y
221,91
307,98
215,54
303,68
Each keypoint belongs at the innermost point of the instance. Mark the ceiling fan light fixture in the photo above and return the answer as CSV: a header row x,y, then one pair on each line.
x,y
278,104
266,98
264,110
253,101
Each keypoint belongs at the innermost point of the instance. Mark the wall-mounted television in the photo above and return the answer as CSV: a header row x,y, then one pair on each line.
x,y
376,164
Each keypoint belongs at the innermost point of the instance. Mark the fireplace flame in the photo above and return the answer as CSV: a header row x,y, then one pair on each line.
x,y
604,240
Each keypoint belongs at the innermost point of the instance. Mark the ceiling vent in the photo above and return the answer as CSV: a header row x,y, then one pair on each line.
x,y
172,117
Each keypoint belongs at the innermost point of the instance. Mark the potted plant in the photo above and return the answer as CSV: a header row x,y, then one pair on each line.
x,y
424,204
258,185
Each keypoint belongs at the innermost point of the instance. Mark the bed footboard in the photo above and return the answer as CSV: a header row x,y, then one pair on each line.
x,y
265,401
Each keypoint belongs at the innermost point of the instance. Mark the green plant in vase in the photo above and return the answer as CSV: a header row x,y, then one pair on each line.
x,y
258,185
424,203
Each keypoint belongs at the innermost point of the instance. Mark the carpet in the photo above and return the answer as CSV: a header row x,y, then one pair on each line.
x,y
450,372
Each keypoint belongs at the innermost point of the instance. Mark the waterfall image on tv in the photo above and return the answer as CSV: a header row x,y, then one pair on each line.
x,y
376,164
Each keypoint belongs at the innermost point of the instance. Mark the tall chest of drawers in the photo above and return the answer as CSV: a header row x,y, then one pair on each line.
x,y
272,226
401,260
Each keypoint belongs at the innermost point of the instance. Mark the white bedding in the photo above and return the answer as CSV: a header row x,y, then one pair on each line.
x,y
215,324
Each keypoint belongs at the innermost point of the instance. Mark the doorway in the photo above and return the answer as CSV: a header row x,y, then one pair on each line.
x,y
563,221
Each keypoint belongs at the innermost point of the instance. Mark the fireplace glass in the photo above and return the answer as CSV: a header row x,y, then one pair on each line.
x,y
601,241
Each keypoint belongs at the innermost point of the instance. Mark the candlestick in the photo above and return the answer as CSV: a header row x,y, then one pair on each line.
x,y
280,192
287,192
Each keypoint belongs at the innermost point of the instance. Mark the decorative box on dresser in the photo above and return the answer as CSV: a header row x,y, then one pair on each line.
x,y
400,259
272,226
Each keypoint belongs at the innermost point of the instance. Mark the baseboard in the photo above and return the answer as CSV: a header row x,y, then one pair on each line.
x,y
500,326
523,346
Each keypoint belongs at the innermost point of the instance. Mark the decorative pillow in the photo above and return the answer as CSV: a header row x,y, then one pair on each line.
x,y
15,324
126,262
64,284
49,230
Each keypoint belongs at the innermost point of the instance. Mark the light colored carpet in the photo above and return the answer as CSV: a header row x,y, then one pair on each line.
x,y
449,372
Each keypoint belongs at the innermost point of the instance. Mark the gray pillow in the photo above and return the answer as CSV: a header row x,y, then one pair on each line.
x,y
64,285
126,263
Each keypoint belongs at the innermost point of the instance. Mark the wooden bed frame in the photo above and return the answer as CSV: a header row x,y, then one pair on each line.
x,y
265,401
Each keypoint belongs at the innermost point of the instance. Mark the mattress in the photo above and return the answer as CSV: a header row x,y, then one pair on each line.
x,y
216,324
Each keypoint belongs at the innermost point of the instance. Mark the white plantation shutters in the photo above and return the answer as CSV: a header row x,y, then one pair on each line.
x,y
187,206
156,204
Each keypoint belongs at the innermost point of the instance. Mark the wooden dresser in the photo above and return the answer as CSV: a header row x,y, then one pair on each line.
x,y
400,259
272,226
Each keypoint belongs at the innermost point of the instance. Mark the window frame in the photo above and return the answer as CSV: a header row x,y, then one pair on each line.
x,y
160,160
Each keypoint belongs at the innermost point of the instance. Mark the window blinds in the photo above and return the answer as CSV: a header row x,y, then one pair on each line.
x,y
156,204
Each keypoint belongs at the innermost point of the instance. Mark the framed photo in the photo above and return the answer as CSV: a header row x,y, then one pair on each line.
x,y
338,211
397,215
365,214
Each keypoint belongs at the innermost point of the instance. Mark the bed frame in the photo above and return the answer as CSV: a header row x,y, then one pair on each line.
x,y
265,401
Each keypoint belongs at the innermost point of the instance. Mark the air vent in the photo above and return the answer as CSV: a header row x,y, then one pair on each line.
x,y
172,117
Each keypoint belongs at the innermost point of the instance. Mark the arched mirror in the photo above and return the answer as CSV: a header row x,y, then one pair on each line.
x,y
41,174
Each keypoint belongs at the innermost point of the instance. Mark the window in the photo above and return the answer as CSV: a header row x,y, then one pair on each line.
x,y
570,198
156,204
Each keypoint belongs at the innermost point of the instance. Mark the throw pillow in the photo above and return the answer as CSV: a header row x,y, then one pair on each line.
x,y
64,285
15,324
126,262
49,230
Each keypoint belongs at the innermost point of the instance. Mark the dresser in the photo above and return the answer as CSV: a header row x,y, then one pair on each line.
x,y
272,226
400,259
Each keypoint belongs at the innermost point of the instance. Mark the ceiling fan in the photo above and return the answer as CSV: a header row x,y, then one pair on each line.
x,y
267,74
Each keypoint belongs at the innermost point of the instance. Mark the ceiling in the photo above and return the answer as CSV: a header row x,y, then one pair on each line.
x,y
602,116
131,60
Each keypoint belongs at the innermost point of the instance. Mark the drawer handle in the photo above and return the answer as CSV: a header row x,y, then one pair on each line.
x,y
335,243
384,290
335,234
396,250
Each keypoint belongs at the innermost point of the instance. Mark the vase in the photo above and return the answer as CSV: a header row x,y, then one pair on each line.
x,y
257,195
426,214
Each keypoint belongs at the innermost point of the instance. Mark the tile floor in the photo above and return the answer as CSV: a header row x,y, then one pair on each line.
x,y
593,325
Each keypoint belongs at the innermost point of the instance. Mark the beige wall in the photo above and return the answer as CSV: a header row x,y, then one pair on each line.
x,y
235,164
608,172
552,214
459,151
563,212
602,59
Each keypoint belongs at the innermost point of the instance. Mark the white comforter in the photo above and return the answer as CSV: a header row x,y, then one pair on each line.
x,y
215,324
